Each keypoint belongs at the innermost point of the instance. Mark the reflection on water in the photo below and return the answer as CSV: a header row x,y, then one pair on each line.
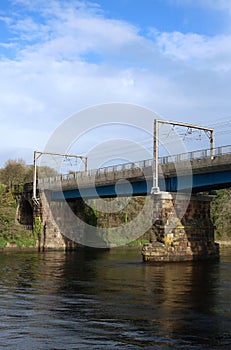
x,y
110,299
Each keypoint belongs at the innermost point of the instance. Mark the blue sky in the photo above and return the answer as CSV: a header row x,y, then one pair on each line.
x,y
58,57
167,15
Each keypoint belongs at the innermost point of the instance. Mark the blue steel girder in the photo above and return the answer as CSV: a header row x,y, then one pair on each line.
x,y
200,182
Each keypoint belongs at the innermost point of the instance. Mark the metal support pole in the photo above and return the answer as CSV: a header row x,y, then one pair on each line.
x,y
208,131
34,195
155,188
37,155
212,146
34,177
86,164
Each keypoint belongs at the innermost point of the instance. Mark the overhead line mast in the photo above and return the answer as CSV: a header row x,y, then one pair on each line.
x,y
38,154
209,132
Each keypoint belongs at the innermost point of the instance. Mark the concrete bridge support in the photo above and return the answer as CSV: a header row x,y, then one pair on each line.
x,y
181,236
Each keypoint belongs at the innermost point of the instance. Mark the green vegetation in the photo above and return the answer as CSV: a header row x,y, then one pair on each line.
x,y
37,227
16,172
220,214
13,177
138,242
11,232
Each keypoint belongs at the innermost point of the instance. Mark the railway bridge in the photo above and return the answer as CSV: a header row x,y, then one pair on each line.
x,y
177,219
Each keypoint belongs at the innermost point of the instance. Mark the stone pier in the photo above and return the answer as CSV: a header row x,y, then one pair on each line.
x,y
177,225
50,236
182,229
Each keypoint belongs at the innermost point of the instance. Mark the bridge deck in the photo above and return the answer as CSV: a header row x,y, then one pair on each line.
x,y
175,173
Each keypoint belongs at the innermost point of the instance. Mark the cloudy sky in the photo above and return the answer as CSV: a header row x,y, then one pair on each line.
x,y
58,57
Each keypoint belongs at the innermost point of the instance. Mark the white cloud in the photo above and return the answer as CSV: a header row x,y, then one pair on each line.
x,y
72,36
200,51
54,72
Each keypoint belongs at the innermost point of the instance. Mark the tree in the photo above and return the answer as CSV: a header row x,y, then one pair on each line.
x,y
16,172
46,171
220,213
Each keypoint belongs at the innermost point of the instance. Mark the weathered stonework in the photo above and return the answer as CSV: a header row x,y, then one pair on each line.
x,y
53,232
181,236
51,237
178,229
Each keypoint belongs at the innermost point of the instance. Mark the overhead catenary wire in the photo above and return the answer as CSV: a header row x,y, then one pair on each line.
x,y
221,127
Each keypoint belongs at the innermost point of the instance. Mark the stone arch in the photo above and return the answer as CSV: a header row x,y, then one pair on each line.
x,y
25,213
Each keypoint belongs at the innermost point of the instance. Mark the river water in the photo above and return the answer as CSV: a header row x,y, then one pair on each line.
x,y
111,299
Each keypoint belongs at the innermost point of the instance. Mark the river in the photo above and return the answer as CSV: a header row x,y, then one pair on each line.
x,y
111,299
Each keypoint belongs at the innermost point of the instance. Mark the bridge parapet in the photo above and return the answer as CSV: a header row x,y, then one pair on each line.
x,y
182,164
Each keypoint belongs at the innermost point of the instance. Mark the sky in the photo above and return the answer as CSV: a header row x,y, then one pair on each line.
x,y
59,57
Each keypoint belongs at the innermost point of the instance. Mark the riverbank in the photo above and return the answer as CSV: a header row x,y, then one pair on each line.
x,y
224,243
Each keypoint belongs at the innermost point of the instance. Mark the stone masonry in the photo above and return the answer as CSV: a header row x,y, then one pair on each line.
x,y
182,229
